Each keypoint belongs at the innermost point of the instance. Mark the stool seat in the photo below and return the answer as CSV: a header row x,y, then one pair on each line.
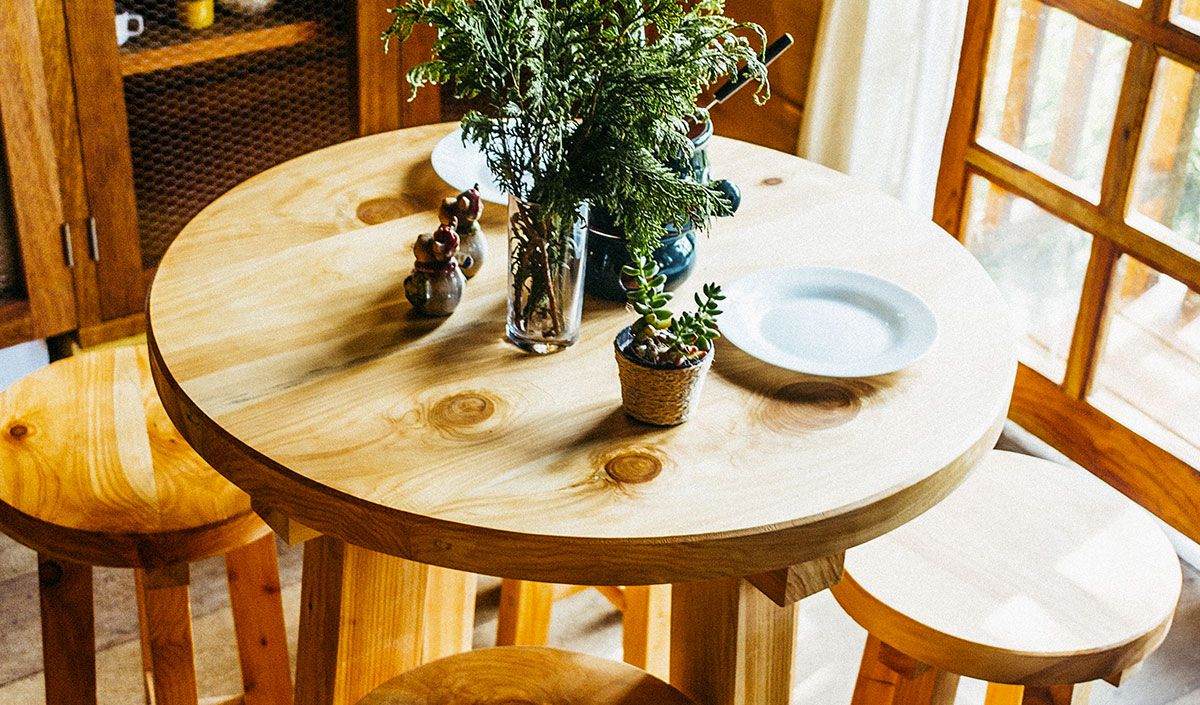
x,y
525,674
1030,573
93,471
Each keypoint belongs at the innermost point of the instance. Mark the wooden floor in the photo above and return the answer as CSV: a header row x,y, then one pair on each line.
x,y
829,643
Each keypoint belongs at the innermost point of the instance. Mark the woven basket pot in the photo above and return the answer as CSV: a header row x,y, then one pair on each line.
x,y
663,396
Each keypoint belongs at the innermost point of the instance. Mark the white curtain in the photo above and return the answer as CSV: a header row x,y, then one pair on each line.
x,y
880,93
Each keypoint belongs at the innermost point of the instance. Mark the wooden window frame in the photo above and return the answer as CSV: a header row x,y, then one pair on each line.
x,y
1060,414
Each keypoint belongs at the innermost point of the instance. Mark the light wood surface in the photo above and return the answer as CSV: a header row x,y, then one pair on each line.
x,y
727,641
437,441
1006,694
172,662
646,628
1026,574
523,618
888,677
525,674
92,470
365,617
794,583
257,608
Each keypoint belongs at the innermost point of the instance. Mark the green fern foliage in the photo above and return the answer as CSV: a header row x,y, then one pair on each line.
x,y
588,100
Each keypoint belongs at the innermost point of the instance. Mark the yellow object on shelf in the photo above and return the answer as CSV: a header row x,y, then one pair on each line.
x,y
196,14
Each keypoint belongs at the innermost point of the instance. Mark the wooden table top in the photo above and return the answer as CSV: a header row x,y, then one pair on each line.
x,y
286,353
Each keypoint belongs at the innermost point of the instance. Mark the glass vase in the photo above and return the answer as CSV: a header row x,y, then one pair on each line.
x,y
545,277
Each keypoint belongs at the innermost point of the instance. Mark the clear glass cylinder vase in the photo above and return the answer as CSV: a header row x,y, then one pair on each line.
x,y
545,277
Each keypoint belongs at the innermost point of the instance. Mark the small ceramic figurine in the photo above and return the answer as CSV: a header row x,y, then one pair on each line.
x,y
436,285
472,246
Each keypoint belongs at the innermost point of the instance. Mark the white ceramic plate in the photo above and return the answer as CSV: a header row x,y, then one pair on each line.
x,y
464,166
827,321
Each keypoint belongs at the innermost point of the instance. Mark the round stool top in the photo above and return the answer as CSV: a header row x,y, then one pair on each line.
x,y
92,470
1028,573
515,675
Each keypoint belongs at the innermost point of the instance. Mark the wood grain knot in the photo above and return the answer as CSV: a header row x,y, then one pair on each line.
x,y
772,181
632,468
812,406
381,210
18,430
463,409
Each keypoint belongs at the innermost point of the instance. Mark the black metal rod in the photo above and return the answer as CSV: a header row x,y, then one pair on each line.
x,y
730,87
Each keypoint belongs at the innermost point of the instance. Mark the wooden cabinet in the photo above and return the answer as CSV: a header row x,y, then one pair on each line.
x,y
36,295
112,149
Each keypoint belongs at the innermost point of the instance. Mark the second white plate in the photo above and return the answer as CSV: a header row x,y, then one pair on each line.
x,y
827,321
463,166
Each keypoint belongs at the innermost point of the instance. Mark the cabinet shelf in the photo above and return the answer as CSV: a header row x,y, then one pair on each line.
x,y
220,47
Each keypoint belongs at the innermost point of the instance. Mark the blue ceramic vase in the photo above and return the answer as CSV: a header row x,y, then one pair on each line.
x,y
676,255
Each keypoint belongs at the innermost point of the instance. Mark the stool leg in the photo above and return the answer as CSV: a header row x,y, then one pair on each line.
x,y
1077,694
147,661
524,616
164,593
253,575
646,628
889,677
1003,694
68,631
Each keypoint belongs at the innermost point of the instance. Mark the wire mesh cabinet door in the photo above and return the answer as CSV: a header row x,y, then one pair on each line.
x,y
184,100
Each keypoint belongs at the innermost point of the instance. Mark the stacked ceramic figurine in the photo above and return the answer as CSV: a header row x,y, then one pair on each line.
x,y
466,209
448,257
436,285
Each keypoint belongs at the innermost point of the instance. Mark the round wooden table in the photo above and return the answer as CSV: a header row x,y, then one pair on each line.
x,y
287,355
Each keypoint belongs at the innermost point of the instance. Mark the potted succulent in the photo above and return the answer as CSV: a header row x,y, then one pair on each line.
x,y
662,358
583,102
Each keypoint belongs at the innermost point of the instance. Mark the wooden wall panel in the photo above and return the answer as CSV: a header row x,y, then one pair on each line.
x,y
776,124
377,77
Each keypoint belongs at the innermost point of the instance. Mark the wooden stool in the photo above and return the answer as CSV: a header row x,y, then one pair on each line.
x,y
525,674
1029,576
93,473
524,618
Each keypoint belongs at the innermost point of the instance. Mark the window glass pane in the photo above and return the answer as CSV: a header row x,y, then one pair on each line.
x,y
1051,90
1166,185
1148,375
1186,13
1038,261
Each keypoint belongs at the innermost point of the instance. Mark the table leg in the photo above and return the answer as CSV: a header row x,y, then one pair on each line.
x,y
730,644
366,617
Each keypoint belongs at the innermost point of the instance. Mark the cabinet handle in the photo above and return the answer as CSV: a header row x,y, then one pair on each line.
x,y
68,251
93,241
